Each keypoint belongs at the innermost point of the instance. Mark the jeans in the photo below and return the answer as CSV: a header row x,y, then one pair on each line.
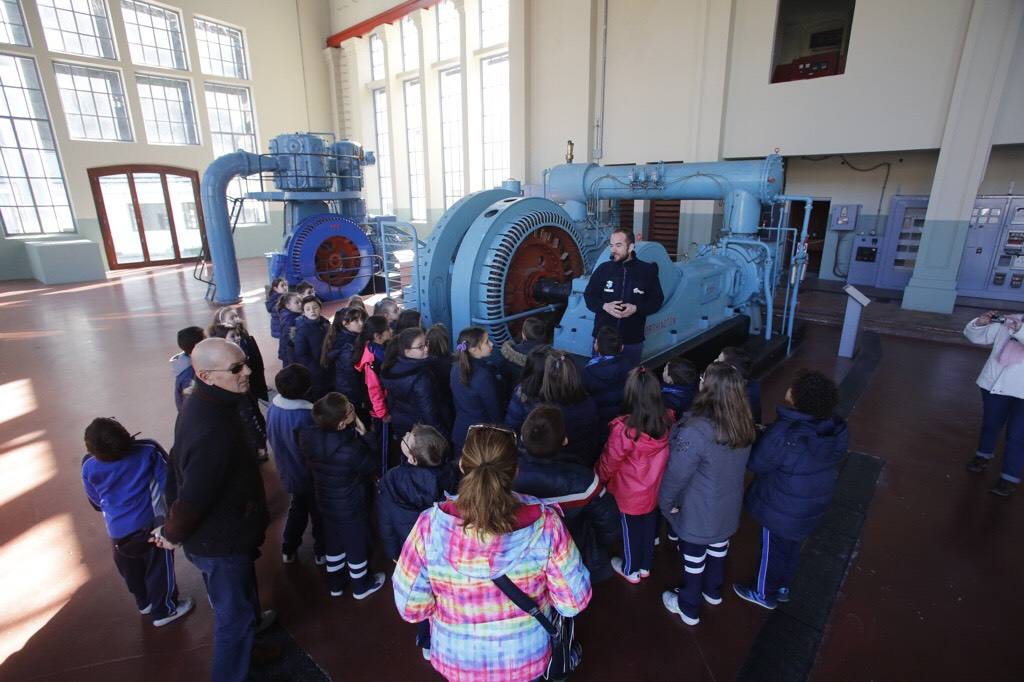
x,y
231,584
999,411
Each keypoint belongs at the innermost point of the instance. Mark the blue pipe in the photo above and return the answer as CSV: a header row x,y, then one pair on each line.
x,y
214,191
798,264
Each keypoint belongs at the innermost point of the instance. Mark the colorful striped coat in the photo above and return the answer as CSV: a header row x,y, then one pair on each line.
x,y
477,633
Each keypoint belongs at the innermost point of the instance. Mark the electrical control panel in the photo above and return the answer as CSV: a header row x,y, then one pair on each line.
x,y
843,217
864,260
992,265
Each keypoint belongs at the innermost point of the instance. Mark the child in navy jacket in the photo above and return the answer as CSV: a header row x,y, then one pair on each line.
x,y
795,463
124,478
181,364
288,415
604,375
679,385
339,353
278,288
341,458
310,332
289,310
474,388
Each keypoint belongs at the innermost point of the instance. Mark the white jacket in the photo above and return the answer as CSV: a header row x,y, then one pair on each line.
x,y
996,378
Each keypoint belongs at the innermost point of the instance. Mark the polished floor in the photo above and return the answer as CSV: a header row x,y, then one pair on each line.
x,y
932,593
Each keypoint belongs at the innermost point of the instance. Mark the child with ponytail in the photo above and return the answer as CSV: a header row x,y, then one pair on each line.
x,y
337,356
278,288
631,466
368,353
474,387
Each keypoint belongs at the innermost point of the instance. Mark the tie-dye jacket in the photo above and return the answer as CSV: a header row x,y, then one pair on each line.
x,y
477,633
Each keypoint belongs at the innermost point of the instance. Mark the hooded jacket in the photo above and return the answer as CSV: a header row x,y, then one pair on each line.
x,y
368,365
477,633
286,347
604,378
275,321
129,491
341,463
405,492
476,402
184,375
346,379
701,492
632,465
796,461
678,398
309,343
412,396
286,419
997,378
630,281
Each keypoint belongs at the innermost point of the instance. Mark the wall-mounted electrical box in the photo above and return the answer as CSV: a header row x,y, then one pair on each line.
x,y
864,260
992,265
843,217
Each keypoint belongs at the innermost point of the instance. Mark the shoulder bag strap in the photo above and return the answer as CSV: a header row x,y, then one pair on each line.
x,y
523,601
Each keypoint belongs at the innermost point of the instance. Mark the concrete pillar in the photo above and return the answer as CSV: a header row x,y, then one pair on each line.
x,y
966,143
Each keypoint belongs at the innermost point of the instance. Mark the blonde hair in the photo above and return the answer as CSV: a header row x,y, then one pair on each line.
x,y
723,401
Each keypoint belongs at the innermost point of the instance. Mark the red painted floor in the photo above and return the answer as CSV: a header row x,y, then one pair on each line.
x,y
932,592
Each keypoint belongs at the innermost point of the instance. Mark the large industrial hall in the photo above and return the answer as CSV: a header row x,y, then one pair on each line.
x,y
511,340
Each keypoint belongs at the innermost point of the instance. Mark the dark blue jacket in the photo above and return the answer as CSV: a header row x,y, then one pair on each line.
x,y
510,371
286,419
476,402
341,463
678,398
754,398
347,380
275,321
254,359
130,491
286,346
405,491
442,369
181,367
604,377
413,396
309,344
518,409
585,431
796,461
631,281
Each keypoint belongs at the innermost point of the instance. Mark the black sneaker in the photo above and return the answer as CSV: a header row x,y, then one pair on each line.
x,y
1003,488
977,464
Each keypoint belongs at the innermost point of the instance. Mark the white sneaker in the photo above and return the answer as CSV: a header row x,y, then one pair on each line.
x,y
320,560
426,654
714,601
633,578
287,558
181,608
378,582
671,601
337,593
146,611
644,573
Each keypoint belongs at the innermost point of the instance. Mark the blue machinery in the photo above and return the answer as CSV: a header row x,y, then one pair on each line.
x,y
496,257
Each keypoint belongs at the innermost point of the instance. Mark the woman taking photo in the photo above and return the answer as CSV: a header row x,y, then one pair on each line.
x,y
702,490
457,547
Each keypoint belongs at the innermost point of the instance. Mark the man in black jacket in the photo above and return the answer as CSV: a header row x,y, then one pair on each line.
x,y
622,292
218,509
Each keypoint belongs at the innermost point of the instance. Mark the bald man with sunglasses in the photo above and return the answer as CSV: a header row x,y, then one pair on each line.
x,y
218,509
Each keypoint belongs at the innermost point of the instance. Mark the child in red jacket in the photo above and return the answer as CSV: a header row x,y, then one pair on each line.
x,y
631,466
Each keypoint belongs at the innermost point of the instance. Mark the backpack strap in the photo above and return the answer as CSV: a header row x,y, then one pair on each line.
x,y
523,601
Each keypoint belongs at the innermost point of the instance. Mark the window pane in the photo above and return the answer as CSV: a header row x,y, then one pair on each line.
x,y
410,45
167,110
154,35
495,94
12,23
447,30
233,127
414,144
94,102
155,224
221,50
33,197
78,27
186,216
493,22
124,232
451,135
380,117
376,58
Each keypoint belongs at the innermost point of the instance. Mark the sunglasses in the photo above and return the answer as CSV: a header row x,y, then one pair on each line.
x,y
234,369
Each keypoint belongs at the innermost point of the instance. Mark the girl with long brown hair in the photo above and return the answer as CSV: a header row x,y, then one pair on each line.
x,y
702,491
446,570
563,386
473,385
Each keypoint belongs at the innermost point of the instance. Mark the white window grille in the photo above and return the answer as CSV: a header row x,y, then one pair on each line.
x,y
414,144
380,118
233,127
167,110
493,22
447,31
451,135
94,102
495,108
376,58
221,50
410,45
154,33
77,27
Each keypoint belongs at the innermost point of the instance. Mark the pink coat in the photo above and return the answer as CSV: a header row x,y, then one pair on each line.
x,y
378,396
632,469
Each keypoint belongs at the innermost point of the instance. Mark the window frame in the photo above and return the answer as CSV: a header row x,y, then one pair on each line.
x,y
422,166
184,38
24,25
124,89
458,22
116,58
462,141
196,128
407,21
383,158
503,56
483,45
262,205
245,48
60,163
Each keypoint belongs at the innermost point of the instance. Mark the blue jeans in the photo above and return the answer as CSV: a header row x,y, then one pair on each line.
x,y
231,585
999,411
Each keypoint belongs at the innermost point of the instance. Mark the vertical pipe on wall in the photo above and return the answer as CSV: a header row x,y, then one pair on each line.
x,y
598,151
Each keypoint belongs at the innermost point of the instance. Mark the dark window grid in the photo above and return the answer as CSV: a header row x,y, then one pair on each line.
x,y
12,24
94,103
32,189
167,110
221,50
83,29
154,35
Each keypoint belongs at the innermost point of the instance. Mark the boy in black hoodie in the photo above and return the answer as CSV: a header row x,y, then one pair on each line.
x,y
423,478
341,458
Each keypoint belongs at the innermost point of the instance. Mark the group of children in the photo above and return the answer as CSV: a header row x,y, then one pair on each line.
x,y
371,412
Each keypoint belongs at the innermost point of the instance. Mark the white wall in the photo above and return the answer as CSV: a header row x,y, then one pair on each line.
x,y
288,85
